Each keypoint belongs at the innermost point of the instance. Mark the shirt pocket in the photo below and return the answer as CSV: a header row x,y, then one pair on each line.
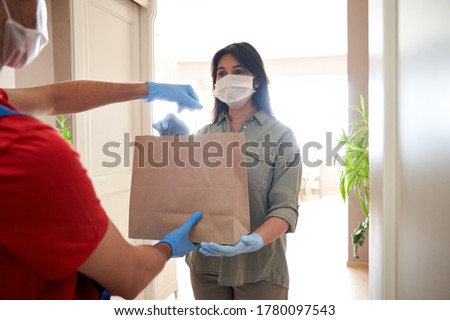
x,y
260,164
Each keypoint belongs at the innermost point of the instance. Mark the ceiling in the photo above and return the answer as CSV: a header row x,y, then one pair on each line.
x,y
193,30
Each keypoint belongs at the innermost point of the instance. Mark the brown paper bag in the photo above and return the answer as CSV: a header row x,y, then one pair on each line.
x,y
174,176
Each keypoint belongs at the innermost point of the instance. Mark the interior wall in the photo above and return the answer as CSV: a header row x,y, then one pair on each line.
x,y
60,14
424,153
40,71
409,76
358,83
383,148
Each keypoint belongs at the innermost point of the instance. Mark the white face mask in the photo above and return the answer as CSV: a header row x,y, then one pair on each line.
x,y
22,45
234,90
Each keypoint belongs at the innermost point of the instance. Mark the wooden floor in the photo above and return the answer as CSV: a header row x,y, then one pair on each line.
x,y
317,254
317,257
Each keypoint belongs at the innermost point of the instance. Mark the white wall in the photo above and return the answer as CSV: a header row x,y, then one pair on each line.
x,y
410,149
40,71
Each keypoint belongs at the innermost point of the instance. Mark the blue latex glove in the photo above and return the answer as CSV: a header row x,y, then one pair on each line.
x,y
178,239
248,243
170,126
182,94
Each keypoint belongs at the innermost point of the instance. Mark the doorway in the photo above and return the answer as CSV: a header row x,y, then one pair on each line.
x,y
304,48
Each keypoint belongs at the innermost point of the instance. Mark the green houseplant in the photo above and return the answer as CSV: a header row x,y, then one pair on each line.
x,y
354,177
63,128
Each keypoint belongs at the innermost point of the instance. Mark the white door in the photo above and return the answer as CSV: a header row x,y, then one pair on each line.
x,y
106,46
107,49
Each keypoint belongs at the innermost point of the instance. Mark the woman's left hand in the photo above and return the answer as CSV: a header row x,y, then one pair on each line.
x,y
247,243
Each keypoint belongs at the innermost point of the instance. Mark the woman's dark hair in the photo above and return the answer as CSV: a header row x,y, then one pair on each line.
x,y
249,58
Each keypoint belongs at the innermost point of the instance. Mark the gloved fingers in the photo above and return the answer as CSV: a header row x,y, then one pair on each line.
x,y
191,100
190,91
216,249
161,125
157,126
193,219
211,249
178,239
184,95
189,104
210,246
181,107
207,253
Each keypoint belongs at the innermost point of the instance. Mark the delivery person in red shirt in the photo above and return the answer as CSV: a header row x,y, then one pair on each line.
x,y
56,241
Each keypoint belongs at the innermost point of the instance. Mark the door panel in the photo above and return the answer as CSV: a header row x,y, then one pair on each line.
x,y
111,53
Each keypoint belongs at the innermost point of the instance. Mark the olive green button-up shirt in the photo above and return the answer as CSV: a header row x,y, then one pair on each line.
x,y
274,175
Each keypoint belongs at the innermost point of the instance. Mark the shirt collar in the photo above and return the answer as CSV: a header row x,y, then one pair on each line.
x,y
260,115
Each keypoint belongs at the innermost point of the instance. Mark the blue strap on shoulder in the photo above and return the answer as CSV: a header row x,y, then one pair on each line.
x,y
4,111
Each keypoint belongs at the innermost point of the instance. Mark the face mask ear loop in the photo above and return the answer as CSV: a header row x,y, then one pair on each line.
x,y
8,15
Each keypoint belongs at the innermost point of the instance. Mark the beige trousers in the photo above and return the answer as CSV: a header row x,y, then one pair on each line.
x,y
206,287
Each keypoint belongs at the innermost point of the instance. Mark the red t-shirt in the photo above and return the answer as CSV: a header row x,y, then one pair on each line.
x,y
50,217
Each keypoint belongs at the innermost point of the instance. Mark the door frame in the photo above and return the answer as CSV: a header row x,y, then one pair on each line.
x,y
79,67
